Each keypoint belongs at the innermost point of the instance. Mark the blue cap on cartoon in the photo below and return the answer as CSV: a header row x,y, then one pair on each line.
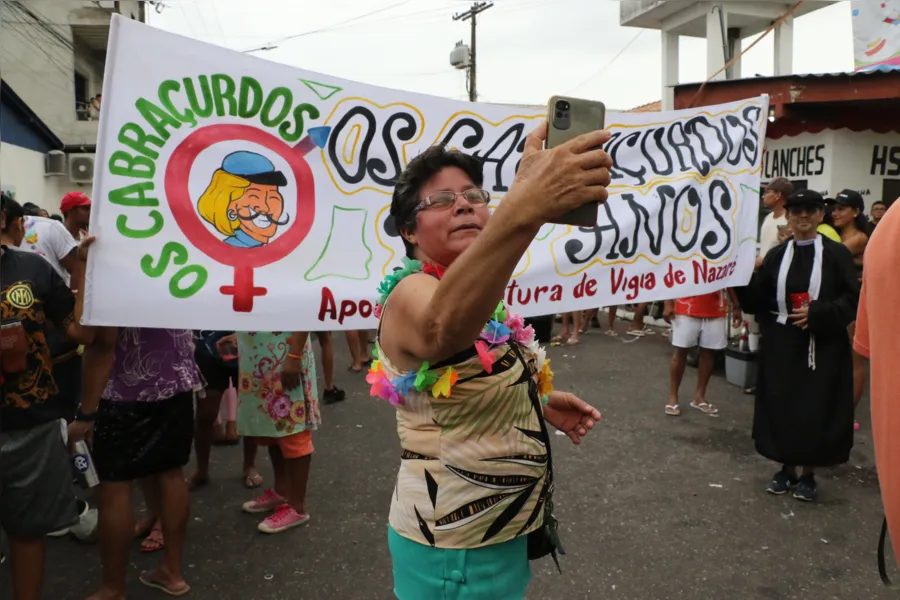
x,y
253,167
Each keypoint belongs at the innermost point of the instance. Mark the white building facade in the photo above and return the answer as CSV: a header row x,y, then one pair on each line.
x,y
52,59
832,160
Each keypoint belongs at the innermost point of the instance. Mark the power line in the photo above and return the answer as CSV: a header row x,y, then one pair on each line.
x,y
270,45
212,6
610,62
42,23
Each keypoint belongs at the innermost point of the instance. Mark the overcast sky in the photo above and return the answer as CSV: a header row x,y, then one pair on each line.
x,y
528,50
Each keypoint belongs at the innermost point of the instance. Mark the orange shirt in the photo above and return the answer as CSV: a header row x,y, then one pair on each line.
x,y
878,337
707,306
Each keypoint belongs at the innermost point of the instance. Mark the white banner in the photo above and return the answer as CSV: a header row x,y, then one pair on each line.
x,y
876,34
234,193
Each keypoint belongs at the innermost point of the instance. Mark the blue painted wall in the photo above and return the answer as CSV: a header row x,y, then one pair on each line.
x,y
16,128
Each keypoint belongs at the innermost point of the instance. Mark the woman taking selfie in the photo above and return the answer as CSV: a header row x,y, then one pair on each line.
x,y
803,295
471,388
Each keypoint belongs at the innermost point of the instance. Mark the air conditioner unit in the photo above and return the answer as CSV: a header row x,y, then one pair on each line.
x,y
81,168
55,163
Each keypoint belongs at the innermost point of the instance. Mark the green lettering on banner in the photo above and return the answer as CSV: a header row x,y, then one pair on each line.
x,y
205,96
138,234
285,128
175,253
207,108
165,98
199,282
156,117
125,196
126,165
223,90
171,252
141,139
287,100
248,86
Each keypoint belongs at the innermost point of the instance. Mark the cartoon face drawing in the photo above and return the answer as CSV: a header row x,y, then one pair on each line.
x,y
243,201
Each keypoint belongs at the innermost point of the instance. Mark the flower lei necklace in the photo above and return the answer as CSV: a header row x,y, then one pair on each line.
x,y
502,327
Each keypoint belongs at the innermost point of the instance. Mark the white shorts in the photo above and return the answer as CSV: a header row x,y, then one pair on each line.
x,y
688,332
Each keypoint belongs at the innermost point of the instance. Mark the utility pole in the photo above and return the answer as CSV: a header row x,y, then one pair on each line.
x,y
477,7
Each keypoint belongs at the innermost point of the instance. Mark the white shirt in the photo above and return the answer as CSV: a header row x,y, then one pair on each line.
x,y
768,233
50,239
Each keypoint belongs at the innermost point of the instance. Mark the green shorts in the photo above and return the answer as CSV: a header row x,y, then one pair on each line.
x,y
497,572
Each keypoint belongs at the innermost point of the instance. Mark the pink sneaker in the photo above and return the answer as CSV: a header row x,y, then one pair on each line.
x,y
284,518
270,500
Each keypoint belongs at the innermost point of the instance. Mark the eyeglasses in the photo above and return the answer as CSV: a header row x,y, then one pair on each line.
x,y
446,198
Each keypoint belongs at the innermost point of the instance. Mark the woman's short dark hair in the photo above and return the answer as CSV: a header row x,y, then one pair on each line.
x,y
31,209
419,170
11,209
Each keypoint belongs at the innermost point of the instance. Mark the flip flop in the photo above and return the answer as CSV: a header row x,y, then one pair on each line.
x,y
611,333
672,410
706,407
153,542
571,342
145,578
352,370
143,527
253,481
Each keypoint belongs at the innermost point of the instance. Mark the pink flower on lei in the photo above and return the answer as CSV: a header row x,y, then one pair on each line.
x,y
376,312
484,353
520,333
382,387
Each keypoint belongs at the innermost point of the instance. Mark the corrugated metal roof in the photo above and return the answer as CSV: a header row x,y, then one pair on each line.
x,y
649,107
868,71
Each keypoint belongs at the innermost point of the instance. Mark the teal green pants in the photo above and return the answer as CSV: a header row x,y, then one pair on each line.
x,y
497,572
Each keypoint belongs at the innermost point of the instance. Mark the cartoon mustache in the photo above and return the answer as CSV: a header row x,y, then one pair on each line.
x,y
232,216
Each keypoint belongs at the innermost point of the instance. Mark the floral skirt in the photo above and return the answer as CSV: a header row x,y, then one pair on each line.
x,y
265,408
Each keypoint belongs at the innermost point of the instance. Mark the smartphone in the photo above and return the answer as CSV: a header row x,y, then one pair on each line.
x,y
567,118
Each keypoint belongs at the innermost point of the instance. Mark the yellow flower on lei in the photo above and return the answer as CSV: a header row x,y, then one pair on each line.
x,y
444,384
545,379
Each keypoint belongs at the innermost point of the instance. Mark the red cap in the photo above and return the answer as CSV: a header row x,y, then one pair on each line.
x,y
73,200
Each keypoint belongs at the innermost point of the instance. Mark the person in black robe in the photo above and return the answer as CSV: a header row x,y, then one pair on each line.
x,y
803,413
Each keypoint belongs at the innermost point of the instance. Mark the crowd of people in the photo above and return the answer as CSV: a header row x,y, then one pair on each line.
x,y
447,356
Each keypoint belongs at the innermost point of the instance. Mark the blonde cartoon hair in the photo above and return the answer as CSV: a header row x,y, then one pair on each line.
x,y
224,189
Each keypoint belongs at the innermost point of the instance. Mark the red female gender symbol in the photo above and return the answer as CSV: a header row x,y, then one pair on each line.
x,y
244,260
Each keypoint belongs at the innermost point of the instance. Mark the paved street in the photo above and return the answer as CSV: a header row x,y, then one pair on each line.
x,y
652,507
